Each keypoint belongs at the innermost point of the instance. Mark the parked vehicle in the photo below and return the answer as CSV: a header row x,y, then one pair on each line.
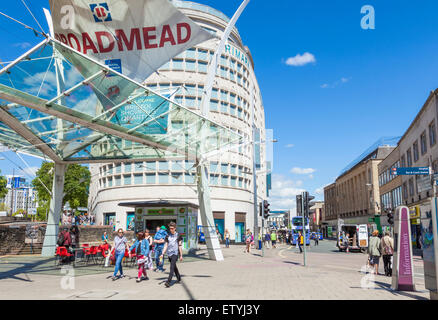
x,y
357,237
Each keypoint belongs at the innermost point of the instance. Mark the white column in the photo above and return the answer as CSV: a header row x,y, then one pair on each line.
x,y
52,229
206,214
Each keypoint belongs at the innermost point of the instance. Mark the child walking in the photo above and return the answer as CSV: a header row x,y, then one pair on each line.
x,y
141,251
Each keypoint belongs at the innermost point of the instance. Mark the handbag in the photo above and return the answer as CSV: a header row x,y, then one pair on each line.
x,y
141,259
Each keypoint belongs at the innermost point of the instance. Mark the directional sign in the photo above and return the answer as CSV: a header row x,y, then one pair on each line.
x,y
412,171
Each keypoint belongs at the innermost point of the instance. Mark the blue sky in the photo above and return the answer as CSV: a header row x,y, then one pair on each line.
x,y
362,84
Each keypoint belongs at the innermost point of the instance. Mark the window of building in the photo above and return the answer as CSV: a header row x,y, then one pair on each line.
x,y
189,178
127,179
150,166
224,168
138,179
163,165
432,134
177,178
233,168
411,187
150,178
177,64
190,102
191,53
423,143
110,182
225,180
202,66
409,157
415,151
163,178
127,167
224,107
214,93
214,180
202,54
138,167
223,72
214,105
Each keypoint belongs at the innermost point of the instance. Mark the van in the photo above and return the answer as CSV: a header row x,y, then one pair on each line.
x,y
357,237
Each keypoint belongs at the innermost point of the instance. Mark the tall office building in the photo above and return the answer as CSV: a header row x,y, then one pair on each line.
x,y
230,172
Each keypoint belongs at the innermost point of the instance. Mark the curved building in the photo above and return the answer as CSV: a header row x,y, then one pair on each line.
x,y
230,172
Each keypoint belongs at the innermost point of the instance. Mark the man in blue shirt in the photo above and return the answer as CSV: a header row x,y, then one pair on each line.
x,y
159,237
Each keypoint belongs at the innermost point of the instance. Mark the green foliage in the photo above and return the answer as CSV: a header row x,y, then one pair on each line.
x,y
41,211
76,184
19,211
4,207
3,189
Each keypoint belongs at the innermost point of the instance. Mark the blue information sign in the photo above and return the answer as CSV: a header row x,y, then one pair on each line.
x,y
16,182
411,171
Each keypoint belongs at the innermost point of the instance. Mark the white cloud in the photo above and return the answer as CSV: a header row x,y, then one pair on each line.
x,y
335,84
319,191
22,45
48,81
284,190
297,170
301,60
290,145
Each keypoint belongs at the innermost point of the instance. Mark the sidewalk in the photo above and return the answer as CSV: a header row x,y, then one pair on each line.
x,y
279,275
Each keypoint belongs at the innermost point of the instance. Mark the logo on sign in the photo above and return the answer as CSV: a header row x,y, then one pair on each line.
x,y
101,12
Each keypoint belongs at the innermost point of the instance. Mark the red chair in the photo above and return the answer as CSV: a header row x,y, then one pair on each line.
x,y
93,253
62,253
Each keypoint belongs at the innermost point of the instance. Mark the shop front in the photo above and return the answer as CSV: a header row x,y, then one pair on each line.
x,y
414,214
152,214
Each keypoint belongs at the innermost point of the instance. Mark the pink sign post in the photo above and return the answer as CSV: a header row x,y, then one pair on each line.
x,y
403,268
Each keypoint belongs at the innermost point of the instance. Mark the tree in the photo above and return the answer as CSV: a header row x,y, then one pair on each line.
x,y
3,189
76,185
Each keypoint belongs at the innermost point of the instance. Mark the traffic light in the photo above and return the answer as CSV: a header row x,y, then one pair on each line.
x,y
390,216
306,201
260,209
265,209
299,205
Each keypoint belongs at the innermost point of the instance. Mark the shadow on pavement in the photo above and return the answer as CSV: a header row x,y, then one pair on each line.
x,y
26,267
387,286
294,263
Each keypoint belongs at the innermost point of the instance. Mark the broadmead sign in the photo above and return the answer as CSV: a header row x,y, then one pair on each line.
x,y
132,37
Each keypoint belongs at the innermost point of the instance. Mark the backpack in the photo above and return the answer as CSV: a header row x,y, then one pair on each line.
x,y
61,239
387,250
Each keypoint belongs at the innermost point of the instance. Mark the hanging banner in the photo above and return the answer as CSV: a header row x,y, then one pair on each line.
x,y
134,38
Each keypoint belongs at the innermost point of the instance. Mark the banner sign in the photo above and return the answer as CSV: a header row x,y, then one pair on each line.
x,y
131,37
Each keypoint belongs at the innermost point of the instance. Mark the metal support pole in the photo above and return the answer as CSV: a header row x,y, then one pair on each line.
x,y
53,219
207,220
304,229
263,228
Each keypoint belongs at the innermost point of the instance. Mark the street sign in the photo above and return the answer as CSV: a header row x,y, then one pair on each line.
x,y
412,171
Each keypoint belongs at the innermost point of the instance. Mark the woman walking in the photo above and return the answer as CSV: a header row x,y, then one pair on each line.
x,y
374,251
248,240
227,238
120,245
142,249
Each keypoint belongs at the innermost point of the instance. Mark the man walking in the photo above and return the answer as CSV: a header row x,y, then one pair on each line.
x,y
300,241
273,239
173,247
159,237
267,240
